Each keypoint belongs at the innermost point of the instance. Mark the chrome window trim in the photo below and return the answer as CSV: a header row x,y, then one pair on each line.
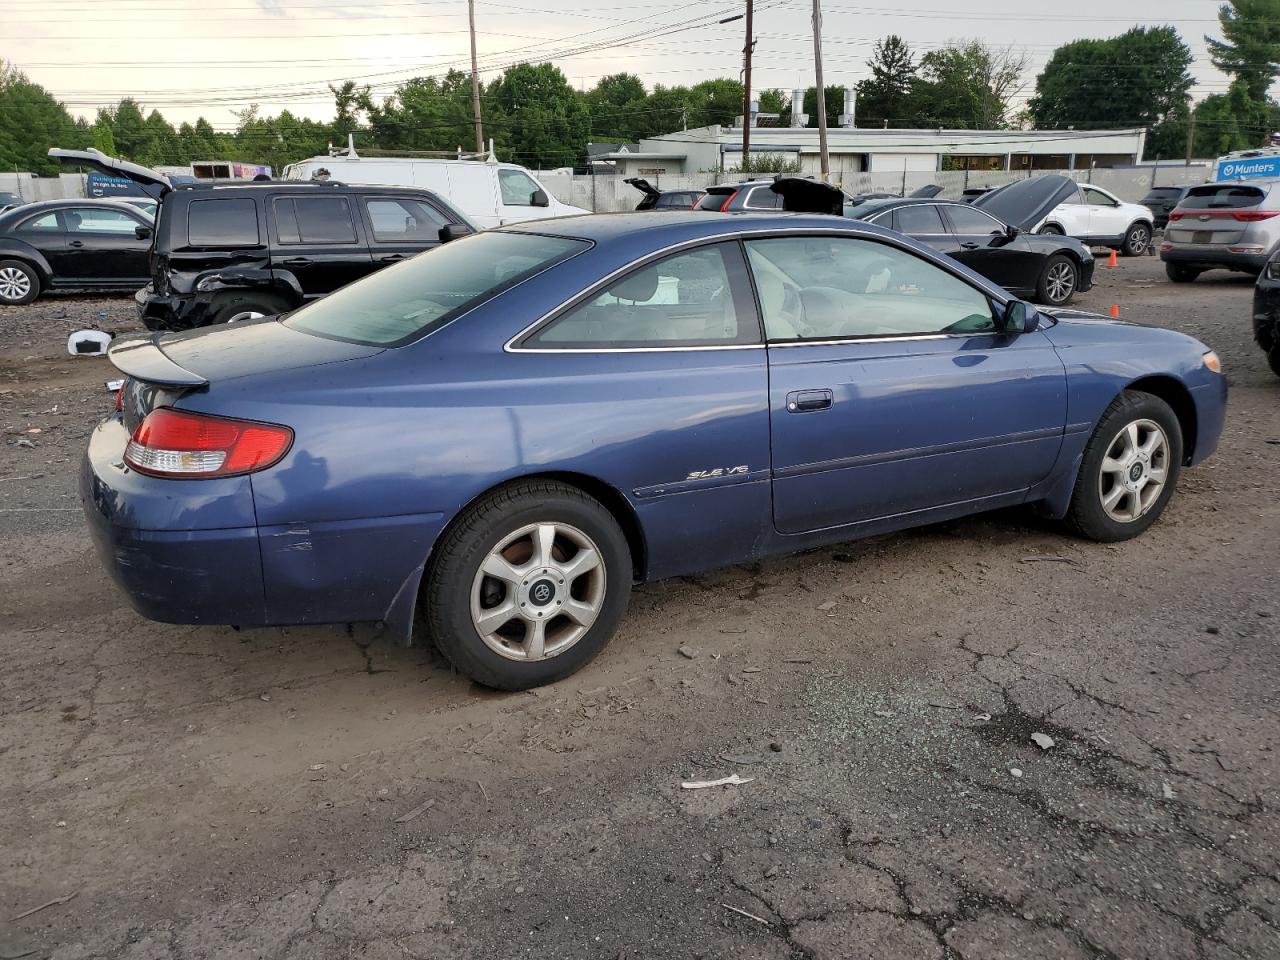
x,y
992,292
896,338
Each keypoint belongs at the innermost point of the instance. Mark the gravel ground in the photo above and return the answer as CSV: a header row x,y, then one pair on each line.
x,y
200,792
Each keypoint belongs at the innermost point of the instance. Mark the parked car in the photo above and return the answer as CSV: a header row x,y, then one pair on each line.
x,y
1266,313
735,197
1048,270
1162,201
233,251
10,200
488,194
1101,219
1231,226
71,245
508,431
655,199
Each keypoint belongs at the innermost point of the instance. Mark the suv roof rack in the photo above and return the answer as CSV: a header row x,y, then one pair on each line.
x,y
275,181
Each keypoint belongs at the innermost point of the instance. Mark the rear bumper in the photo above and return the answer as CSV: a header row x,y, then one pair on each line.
x,y
1209,257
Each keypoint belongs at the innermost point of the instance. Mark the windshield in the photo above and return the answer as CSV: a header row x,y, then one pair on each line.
x,y
411,299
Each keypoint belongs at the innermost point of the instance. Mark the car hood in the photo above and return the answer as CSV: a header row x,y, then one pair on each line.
x,y
227,351
156,184
800,195
1024,203
1071,315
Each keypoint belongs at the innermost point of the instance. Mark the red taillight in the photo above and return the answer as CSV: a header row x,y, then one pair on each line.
x,y
120,396
175,443
1243,216
1176,215
1253,216
724,207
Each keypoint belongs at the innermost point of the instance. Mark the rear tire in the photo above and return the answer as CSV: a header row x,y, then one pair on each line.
x,y
1180,273
1058,281
1137,444
19,283
528,585
1136,241
1273,359
249,306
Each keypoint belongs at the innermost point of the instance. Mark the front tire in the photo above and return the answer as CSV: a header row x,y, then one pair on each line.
x,y
1180,272
1136,241
1129,469
1273,359
528,585
1058,281
19,283
1050,230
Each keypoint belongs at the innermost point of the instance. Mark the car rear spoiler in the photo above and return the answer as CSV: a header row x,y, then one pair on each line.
x,y
141,358
114,167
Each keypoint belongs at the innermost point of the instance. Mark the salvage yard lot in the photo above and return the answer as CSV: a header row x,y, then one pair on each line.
x,y
208,793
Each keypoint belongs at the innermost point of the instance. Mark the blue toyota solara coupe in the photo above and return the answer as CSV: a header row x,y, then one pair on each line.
x,y
494,440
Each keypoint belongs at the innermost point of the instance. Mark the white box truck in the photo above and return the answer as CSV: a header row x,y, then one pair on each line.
x,y
488,192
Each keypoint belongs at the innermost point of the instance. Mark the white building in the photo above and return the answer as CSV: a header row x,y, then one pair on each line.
x,y
858,150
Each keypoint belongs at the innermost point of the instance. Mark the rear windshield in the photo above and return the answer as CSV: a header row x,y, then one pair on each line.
x,y
1164,192
715,199
402,303
1223,197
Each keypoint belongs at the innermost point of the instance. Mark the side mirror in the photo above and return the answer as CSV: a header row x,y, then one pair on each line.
x,y
454,231
539,199
1019,317
142,233
1011,232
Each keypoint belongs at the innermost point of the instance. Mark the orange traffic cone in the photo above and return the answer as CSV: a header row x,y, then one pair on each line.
x,y
1115,307
1113,261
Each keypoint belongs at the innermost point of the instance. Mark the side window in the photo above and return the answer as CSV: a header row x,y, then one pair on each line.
x,y
1074,200
918,219
517,188
971,222
697,298
223,223
838,288
1097,198
404,220
762,198
97,220
45,223
314,220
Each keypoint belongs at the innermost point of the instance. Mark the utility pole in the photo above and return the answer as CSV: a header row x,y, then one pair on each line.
x,y
475,78
1191,137
746,91
824,158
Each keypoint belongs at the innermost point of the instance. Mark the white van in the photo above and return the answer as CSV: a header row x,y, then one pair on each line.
x,y
489,193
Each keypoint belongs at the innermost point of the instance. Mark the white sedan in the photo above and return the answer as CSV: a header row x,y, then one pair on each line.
x,y
1101,219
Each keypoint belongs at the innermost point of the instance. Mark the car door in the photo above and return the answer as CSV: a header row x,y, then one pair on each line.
x,y
316,239
983,244
1073,215
521,197
892,392
102,246
1108,220
400,227
45,233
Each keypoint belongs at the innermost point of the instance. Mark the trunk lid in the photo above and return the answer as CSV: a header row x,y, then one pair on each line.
x,y
651,193
154,183
1024,203
801,195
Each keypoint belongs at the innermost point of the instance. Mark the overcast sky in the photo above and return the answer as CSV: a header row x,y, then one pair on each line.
x,y
210,57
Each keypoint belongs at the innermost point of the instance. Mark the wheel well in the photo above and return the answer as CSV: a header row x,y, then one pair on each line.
x,y
41,275
1177,396
608,496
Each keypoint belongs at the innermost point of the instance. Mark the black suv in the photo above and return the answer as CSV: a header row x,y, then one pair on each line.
x,y
228,252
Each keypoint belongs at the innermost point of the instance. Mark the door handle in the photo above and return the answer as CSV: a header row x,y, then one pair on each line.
x,y
809,401
298,262
969,246
392,257
75,243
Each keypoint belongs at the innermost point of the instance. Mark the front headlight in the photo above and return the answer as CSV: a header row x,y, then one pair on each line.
x,y
1212,361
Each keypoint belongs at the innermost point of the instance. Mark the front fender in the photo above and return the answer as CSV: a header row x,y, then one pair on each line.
x,y
14,249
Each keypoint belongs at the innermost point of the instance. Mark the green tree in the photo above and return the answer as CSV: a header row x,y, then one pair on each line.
x,y
538,118
968,85
1233,121
32,121
616,105
715,101
424,114
1140,78
885,96
772,100
667,109
1249,50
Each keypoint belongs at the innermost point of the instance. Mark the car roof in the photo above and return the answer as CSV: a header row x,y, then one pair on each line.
x,y
677,225
27,209
299,185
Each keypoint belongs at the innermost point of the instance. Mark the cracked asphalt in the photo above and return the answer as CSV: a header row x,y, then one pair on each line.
x,y
202,793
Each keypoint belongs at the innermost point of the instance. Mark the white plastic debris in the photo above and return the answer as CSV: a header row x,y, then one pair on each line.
x,y
730,781
1167,790
1042,740
88,343
114,385
1015,773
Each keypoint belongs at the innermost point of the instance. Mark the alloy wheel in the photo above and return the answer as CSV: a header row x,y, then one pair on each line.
x,y
1139,240
14,284
1134,470
1061,282
538,591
